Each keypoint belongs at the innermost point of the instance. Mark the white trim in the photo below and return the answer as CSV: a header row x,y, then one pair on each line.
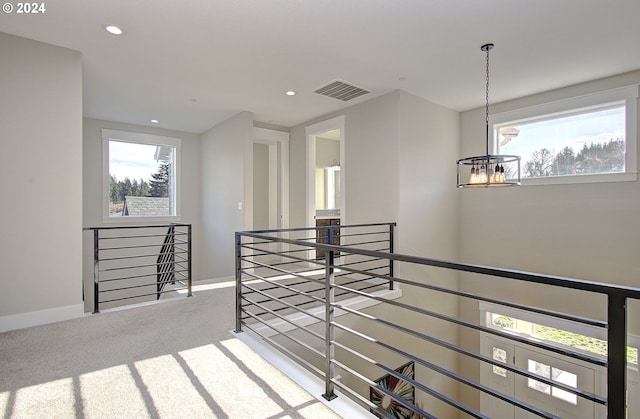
x,y
550,108
627,95
37,318
557,323
271,137
566,180
139,138
311,131
342,405
586,330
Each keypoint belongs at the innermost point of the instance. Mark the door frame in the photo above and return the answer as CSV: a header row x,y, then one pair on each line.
x,y
311,131
278,142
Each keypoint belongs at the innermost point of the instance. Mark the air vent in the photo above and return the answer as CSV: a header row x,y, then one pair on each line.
x,y
341,90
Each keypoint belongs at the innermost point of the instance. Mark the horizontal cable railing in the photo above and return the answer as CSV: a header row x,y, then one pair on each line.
x,y
135,263
384,328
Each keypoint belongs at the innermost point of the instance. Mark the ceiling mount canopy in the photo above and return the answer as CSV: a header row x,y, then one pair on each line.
x,y
488,170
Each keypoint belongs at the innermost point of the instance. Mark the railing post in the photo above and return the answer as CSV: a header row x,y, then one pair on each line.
x,y
391,250
96,271
189,261
329,297
617,356
238,283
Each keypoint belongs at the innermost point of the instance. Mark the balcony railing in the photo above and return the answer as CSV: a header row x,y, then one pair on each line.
x,y
136,263
343,319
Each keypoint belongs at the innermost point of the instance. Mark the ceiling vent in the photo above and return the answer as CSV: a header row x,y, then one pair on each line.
x,y
341,90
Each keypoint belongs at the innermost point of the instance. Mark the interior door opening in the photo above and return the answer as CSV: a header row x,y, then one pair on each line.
x,y
326,171
270,181
553,366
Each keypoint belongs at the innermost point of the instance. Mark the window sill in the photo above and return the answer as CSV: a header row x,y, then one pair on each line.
x,y
141,220
568,180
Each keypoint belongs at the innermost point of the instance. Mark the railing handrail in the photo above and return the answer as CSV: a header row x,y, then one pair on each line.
x,y
615,323
135,226
540,278
288,230
165,260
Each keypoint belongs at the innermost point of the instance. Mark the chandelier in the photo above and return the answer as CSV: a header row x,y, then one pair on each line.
x,y
489,170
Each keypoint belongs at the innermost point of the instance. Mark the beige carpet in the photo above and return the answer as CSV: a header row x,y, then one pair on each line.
x,y
176,359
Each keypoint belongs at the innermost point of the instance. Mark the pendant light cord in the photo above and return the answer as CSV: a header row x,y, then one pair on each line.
x,y
486,118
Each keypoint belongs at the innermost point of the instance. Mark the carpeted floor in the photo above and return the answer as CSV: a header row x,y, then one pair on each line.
x,y
176,359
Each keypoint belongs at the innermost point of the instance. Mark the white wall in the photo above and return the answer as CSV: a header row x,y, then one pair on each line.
x,y
399,165
327,152
371,130
260,186
227,155
428,199
427,226
190,188
587,231
40,182
399,150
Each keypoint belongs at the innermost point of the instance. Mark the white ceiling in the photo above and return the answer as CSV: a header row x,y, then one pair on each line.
x,y
192,64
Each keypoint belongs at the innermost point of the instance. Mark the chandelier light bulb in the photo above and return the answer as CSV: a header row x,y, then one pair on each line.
x,y
487,170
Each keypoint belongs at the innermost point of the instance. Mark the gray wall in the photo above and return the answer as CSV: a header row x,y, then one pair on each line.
x,y
190,188
399,150
399,165
226,150
260,186
41,182
587,231
327,152
371,130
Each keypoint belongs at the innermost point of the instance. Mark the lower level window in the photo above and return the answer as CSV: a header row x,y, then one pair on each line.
x,y
560,337
555,374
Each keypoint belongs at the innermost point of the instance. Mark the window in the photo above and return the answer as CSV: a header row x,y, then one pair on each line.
x,y
499,354
557,332
140,175
554,374
590,138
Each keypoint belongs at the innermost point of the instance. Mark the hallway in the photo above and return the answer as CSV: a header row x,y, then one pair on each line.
x,y
175,359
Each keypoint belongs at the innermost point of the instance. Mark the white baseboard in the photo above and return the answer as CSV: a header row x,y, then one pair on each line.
x,y
342,405
37,318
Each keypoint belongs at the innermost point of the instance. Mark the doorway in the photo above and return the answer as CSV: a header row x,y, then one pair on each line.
x,y
548,364
557,366
270,182
326,170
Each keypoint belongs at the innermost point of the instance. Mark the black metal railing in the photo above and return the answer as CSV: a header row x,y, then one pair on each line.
x,y
342,319
166,261
135,263
294,273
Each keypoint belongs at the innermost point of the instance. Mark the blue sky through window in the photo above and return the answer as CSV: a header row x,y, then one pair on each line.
x,y
574,131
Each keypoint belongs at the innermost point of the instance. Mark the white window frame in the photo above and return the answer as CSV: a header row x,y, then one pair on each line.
x,y
582,329
147,139
627,95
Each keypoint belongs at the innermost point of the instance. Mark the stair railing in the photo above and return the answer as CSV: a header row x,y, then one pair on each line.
x,y
308,309
166,262
135,263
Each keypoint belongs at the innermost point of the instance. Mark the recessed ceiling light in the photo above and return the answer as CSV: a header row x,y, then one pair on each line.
x,y
155,121
114,30
290,93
